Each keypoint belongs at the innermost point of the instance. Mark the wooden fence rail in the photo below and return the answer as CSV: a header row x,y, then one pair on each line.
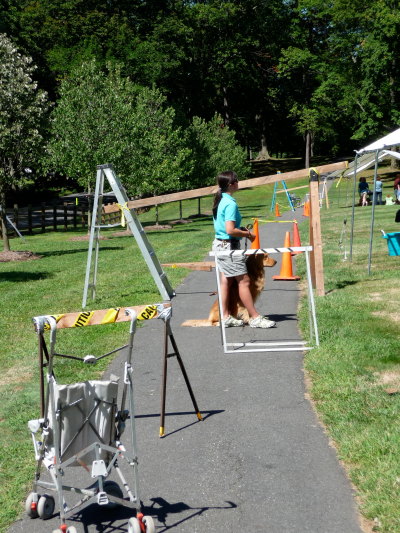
x,y
47,217
56,216
70,215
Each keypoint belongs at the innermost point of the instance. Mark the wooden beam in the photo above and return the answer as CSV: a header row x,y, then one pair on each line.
x,y
103,316
292,189
316,260
244,184
203,265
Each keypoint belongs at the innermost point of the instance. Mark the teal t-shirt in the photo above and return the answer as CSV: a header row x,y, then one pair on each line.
x,y
227,210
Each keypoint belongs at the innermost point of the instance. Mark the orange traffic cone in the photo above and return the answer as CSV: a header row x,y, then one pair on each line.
x,y
296,237
286,273
306,209
255,245
277,212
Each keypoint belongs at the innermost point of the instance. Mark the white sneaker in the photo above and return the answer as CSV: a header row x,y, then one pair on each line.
x,y
261,322
232,322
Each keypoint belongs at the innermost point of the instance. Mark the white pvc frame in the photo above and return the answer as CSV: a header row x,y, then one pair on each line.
x,y
259,346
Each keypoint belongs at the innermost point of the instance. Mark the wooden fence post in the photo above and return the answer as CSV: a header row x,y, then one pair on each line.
x,y
65,216
316,261
43,216
83,218
55,215
30,219
74,211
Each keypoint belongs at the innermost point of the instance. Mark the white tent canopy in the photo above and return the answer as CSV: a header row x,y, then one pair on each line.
x,y
366,156
382,155
378,150
388,141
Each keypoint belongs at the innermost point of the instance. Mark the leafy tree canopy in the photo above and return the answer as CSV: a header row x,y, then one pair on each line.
x,y
102,117
23,109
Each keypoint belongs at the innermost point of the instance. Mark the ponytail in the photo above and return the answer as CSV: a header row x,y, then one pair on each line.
x,y
224,180
217,199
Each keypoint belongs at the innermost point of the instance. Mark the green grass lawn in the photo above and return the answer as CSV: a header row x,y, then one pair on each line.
x,y
355,373
352,371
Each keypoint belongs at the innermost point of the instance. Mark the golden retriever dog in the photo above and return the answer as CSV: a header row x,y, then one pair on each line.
x,y
255,269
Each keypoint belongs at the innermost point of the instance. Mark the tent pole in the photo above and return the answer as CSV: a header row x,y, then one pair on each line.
x,y
352,211
371,233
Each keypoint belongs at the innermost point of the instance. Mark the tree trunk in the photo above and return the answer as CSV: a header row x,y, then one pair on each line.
x,y
226,110
307,158
6,241
394,162
263,154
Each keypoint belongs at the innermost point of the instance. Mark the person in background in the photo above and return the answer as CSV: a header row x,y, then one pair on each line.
x,y
396,187
363,190
378,191
228,235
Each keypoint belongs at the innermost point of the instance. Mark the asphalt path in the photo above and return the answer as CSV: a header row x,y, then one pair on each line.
x,y
259,461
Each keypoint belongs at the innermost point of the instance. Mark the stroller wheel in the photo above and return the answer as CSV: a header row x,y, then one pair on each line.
x,y
45,507
134,525
149,523
113,489
31,511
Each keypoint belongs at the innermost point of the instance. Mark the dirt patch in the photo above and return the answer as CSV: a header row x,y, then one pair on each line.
x,y
85,238
390,377
180,221
158,227
125,233
6,257
395,317
14,376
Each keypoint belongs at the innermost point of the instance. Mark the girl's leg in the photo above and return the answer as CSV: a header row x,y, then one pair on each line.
x,y
225,285
245,295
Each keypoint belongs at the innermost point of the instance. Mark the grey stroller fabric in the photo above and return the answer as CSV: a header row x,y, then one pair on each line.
x,y
87,415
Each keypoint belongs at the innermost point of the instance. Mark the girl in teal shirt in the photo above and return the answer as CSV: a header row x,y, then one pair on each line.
x,y
228,234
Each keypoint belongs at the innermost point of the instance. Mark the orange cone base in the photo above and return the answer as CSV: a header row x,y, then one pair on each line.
x,y
285,278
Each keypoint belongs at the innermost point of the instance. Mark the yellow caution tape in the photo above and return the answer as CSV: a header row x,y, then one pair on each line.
x,y
122,207
149,312
111,316
56,318
83,319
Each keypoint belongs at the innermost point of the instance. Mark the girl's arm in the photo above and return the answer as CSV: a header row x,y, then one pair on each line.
x,y
237,232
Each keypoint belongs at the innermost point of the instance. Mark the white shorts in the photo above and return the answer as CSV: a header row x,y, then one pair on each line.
x,y
230,265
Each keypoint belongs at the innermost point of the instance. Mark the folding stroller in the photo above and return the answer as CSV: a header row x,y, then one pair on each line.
x,y
81,426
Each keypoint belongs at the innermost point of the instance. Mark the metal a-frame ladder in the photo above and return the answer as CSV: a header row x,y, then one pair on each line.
x,y
159,276
273,202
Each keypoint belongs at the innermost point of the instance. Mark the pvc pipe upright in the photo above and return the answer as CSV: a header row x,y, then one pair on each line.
x,y
371,233
352,211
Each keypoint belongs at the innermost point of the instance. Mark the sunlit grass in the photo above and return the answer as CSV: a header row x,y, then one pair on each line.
x,y
355,373
352,371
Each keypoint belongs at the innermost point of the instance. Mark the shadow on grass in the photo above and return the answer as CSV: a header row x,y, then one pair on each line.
x,y
180,229
77,251
24,276
343,284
